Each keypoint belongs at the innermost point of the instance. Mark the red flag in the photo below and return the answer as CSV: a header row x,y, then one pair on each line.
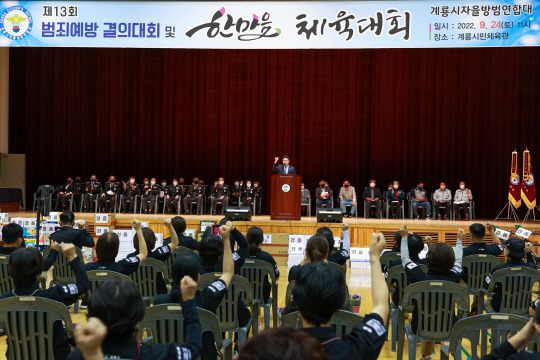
x,y
514,192
528,189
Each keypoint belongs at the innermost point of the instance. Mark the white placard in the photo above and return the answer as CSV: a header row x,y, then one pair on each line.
x,y
1,226
523,232
18,221
102,219
357,254
145,224
29,222
205,224
159,241
267,238
190,233
4,218
53,217
423,253
100,230
502,234
126,243
297,244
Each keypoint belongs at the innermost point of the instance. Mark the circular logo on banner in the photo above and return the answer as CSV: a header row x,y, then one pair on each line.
x,y
286,188
514,179
530,180
16,22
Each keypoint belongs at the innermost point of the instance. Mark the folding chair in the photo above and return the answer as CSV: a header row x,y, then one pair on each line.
x,y
366,215
477,268
257,271
307,205
342,269
178,251
343,321
402,206
145,278
43,196
29,325
436,302
6,282
98,277
227,312
165,323
410,201
516,284
135,198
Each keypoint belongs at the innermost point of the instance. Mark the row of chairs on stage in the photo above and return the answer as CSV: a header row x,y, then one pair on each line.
x,y
436,322
45,197
385,208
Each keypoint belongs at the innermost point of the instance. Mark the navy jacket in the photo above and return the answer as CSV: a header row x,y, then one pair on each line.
x,y
280,169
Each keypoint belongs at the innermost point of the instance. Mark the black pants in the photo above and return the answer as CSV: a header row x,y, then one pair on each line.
x,y
148,199
89,201
395,208
102,201
445,206
224,204
168,202
131,199
458,207
191,200
321,202
62,199
378,207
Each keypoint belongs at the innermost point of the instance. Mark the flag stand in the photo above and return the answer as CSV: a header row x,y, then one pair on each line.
x,y
533,212
510,209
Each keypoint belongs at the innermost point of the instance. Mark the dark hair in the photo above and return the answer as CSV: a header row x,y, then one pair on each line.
x,y
149,238
397,239
255,237
317,249
415,244
210,248
537,315
319,292
225,220
478,230
327,233
11,233
120,306
107,246
179,224
420,182
67,217
282,343
185,264
440,258
23,266
286,157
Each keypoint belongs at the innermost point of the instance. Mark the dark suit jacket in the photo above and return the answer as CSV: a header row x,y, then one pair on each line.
x,y
280,169
77,237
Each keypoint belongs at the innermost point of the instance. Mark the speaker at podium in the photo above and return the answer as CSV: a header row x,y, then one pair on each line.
x,y
285,197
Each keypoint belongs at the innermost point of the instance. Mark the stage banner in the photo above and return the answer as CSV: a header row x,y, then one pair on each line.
x,y
528,189
270,25
514,193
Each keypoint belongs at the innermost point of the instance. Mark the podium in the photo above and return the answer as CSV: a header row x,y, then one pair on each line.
x,y
285,197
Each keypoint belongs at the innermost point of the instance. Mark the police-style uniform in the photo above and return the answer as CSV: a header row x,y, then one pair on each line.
x,y
67,294
170,194
195,194
249,196
77,237
217,192
184,241
162,253
92,190
130,349
68,188
151,193
236,195
109,193
125,266
263,256
130,192
258,196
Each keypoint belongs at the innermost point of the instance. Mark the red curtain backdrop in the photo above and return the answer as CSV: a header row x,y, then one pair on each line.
x,y
407,114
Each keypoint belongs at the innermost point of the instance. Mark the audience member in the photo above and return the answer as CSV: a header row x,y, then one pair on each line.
x,y
179,225
12,237
65,194
67,234
316,250
335,255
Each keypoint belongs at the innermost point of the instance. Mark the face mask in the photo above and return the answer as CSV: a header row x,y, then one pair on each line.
x,y
112,180
146,182
78,180
175,183
69,181
221,182
462,187
443,187
236,184
421,188
371,184
321,184
396,186
93,180
153,182
256,185
303,187
132,181
248,185
163,184
346,185
196,182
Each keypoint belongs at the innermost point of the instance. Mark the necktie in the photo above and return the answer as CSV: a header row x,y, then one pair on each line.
x,y
372,194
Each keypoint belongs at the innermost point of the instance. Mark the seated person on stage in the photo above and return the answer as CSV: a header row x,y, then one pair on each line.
x,y
442,198
248,195
12,238
173,194
131,191
68,234
179,225
347,196
320,291
317,249
282,343
419,198
107,251
162,253
91,193
305,195
385,192
324,195
462,198
110,189
119,306
372,196
515,249
258,195
395,197
442,263
194,195
25,267
255,237
336,255
151,192
286,168
211,296
79,194
64,195
220,193
162,195
237,193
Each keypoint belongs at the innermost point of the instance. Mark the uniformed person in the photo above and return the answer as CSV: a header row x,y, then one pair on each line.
x,y
249,194
194,194
110,190
161,198
151,192
237,193
183,184
25,267
131,191
79,194
92,191
67,234
258,196
173,194
65,193
220,193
